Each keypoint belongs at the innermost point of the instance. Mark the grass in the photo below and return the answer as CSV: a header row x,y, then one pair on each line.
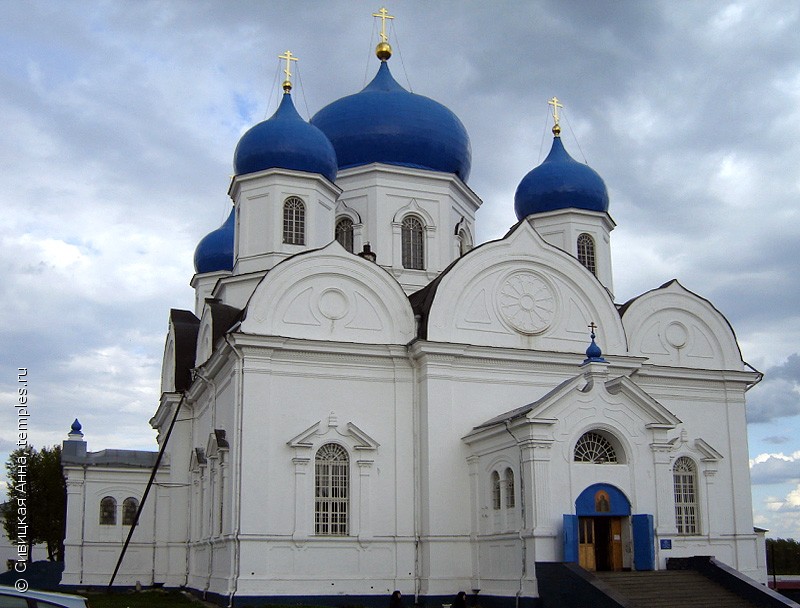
x,y
142,599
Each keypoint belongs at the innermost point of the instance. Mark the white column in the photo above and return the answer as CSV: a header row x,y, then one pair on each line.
x,y
302,520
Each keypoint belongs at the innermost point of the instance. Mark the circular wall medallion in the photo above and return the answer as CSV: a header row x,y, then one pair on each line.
x,y
676,334
526,302
333,304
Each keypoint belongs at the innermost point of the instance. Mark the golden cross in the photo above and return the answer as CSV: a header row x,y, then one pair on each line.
x,y
289,58
383,14
556,104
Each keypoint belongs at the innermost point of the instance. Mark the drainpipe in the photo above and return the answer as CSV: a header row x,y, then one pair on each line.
x,y
523,518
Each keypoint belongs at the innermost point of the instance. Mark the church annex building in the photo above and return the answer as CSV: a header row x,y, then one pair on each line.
x,y
362,400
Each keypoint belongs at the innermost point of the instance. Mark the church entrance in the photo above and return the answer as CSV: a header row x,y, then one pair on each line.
x,y
600,543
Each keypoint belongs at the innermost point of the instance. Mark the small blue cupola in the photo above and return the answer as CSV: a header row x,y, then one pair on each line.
x,y
593,353
214,252
384,123
560,182
285,141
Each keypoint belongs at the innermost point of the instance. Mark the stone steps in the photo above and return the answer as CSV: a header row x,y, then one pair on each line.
x,y
671,589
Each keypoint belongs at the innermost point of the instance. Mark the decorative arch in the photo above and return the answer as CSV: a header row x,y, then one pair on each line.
x,y
488,298
602,499
598,445
329,294
671,325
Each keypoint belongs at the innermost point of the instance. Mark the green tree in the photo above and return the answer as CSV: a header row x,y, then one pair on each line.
x,y
783,556
36,482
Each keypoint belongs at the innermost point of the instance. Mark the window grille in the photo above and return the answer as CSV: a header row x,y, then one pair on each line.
x,y
344,233
586,252
510,498
684,475
332,487
108,511
413,233
594,448
294,221
496,491
129,507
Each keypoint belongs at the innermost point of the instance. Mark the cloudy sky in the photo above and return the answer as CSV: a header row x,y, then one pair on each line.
x,y
119,121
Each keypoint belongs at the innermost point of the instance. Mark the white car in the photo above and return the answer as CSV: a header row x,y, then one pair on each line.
x,y
12,598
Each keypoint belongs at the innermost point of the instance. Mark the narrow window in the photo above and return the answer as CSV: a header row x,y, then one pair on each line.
x,y
108,511
510,498
594,448
586,252
331,481
496,491
413,233
129,507
684,476
464,241
344,233
294,221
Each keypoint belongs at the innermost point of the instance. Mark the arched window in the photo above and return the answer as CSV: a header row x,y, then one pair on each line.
x,y
344,233
684,477
595,448
496,491
464,241
129,507
586,252
509,482
331,490
413,234
108,511
294,221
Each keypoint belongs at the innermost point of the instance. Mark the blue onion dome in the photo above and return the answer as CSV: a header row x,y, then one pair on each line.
x,y
593,353
285,141
560,182
215,251
384,123
75,428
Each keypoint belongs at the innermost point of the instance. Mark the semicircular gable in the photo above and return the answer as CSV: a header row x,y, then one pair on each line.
x,y
674,326
521,292
330,294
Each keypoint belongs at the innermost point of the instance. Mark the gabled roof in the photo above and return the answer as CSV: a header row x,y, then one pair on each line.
x,y
186,326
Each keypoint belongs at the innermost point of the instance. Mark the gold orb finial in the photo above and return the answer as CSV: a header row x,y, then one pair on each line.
x,y
383,50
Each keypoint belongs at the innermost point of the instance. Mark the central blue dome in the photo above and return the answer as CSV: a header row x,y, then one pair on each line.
x,y
560,182
285,141
384,123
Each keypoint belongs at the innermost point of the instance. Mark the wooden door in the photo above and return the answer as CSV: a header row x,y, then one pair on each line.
x,y
616,544
586,552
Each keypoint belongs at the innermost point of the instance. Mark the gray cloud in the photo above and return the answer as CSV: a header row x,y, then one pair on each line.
x,y
778,395
775,468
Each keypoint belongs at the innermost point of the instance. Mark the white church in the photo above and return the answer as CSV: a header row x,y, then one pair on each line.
x,y
364,401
